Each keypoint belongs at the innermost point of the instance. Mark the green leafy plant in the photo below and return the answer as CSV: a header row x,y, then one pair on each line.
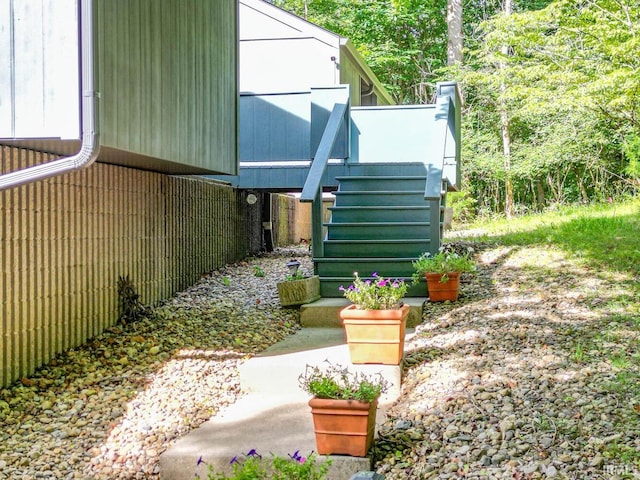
x,y
338,382
225,281
252,466
297,276
131,308
257,271
378,293
442,263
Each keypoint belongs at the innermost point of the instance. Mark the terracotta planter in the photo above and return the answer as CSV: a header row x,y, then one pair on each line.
x,y
442,291
375,336
298,292
343,427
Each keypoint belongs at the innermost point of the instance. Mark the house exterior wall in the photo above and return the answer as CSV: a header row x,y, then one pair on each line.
x,y
286,65
65,241
167,76
281,52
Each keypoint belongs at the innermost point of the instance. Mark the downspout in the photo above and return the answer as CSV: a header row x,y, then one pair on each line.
x,y
88,116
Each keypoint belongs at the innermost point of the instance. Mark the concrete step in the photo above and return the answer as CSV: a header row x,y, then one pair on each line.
x,y
273,416
271,424
277,369
324,312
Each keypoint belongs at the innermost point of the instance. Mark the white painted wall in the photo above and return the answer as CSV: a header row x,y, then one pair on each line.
x,y
39,73
286,65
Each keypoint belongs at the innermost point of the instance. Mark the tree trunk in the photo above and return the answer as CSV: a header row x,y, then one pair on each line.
x,y
540,194
504,128
454,32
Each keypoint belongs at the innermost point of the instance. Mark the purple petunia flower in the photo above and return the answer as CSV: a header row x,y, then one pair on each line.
x,y
297,457
253,453
233,460
383,283
200,461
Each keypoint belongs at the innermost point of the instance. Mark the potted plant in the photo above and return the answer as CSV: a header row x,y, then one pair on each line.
x,y
253,466
344,407
298,289
442,272
376,321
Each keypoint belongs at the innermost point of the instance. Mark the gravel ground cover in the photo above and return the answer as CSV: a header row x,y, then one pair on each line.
x,y
109,408
532,374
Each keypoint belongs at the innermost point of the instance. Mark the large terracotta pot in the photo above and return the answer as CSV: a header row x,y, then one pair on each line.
x,y
343,427
441,291
375,336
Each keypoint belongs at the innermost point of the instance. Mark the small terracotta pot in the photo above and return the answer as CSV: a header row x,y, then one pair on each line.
x,y
343,427
442,291
375,336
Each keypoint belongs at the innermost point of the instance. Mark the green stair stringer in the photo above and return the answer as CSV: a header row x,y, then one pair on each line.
x,y
379,223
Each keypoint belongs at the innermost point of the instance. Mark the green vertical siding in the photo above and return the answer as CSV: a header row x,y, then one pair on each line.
x,y
167,76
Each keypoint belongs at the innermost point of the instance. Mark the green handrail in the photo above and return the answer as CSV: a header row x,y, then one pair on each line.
x,y
433,185
313,183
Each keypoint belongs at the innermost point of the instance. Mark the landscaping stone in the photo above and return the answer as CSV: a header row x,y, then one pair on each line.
x,y
531,374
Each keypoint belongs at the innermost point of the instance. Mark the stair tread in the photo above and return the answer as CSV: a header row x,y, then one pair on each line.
x,y
364,259
400,240
394,224
385,207
381,177
371,192
350,278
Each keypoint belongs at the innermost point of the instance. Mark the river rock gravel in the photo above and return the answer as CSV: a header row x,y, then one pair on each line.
x,y
108,409
534,373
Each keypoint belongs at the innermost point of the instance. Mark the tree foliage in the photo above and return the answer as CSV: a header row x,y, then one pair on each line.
x,y
572,77
403,41
567,73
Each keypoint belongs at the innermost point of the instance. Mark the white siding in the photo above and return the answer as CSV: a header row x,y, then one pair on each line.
x,y
283,65
39,75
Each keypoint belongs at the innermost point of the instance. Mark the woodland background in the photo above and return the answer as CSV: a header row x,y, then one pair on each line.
x,y
551,89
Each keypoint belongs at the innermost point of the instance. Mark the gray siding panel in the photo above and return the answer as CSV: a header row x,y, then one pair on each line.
x,y
168,80
275,127
166,74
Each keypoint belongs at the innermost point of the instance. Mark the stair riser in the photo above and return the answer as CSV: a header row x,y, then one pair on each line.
x,y
355,250
373,184
364,199
379,232
380,215
331,288
365,268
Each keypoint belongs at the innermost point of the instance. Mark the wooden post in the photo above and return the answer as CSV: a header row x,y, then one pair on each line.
x,y
317,244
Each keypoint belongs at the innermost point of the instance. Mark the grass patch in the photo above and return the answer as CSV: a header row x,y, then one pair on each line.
x,y
603,242
605,236
622,453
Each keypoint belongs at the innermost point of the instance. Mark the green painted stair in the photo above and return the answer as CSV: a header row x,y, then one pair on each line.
x,y
378,224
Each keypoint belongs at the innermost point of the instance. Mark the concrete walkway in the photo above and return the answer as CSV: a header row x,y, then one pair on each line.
x,y
273,416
